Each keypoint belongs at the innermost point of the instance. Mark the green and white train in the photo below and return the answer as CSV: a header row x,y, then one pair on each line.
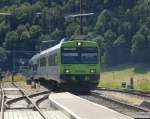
x,y
69,62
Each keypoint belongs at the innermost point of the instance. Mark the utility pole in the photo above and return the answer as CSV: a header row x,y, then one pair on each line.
x,y
81,19
13,60
80,16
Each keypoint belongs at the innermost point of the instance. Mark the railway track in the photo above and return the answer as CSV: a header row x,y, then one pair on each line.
x,y
100,96
127,109
2,101
31,102
23,97
5,104
122,107
40,100
128,91
120,102
134,97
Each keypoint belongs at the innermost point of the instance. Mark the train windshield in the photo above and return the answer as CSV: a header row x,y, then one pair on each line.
x,y
79,55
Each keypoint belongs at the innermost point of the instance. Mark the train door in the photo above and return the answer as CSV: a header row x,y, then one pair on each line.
x,y
42,70
52,67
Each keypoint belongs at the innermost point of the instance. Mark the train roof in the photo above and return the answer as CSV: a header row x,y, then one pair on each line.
x,y
54,48
34,57
45,52
50,50
80,41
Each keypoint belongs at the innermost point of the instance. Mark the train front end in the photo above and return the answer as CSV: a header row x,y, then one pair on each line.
x,y
80,63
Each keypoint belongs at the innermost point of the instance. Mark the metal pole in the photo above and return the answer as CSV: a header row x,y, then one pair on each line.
x,y
2,102
81,19
14,61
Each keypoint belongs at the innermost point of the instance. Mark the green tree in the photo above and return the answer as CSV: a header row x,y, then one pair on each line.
x,y
11,40
126,28
3,55
121,50
25,41
3,58
100,39
20,29
23,13
72,28
103,21
4,28
70,6
37,7
139,48
57,35
109,38
35,31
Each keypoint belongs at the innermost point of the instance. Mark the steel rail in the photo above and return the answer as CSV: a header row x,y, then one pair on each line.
x,y
23,97
124,89
97,95
2,102
41,100
127,91
27,97
1,92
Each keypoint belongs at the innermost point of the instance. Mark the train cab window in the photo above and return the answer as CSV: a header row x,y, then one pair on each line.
x,y
30,66
51,60
34,67
83,55
38,62
43,62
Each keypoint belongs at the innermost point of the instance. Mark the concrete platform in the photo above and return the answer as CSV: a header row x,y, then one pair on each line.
x,y
78,108
34,115
12,91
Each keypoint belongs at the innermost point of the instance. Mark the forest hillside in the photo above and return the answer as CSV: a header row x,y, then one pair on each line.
x,y
121,27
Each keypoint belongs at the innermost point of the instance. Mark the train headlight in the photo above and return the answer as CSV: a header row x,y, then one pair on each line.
x,y
79,44
93,70
67,71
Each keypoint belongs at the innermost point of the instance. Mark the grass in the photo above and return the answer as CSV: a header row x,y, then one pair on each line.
x,y
114,76
17,77
21,80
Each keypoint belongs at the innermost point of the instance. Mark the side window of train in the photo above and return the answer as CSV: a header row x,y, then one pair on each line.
x,y
30,66
51,60
56,59
38,63
43,62
35,67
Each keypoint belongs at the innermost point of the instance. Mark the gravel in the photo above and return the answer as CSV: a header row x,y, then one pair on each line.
x,y
114,106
